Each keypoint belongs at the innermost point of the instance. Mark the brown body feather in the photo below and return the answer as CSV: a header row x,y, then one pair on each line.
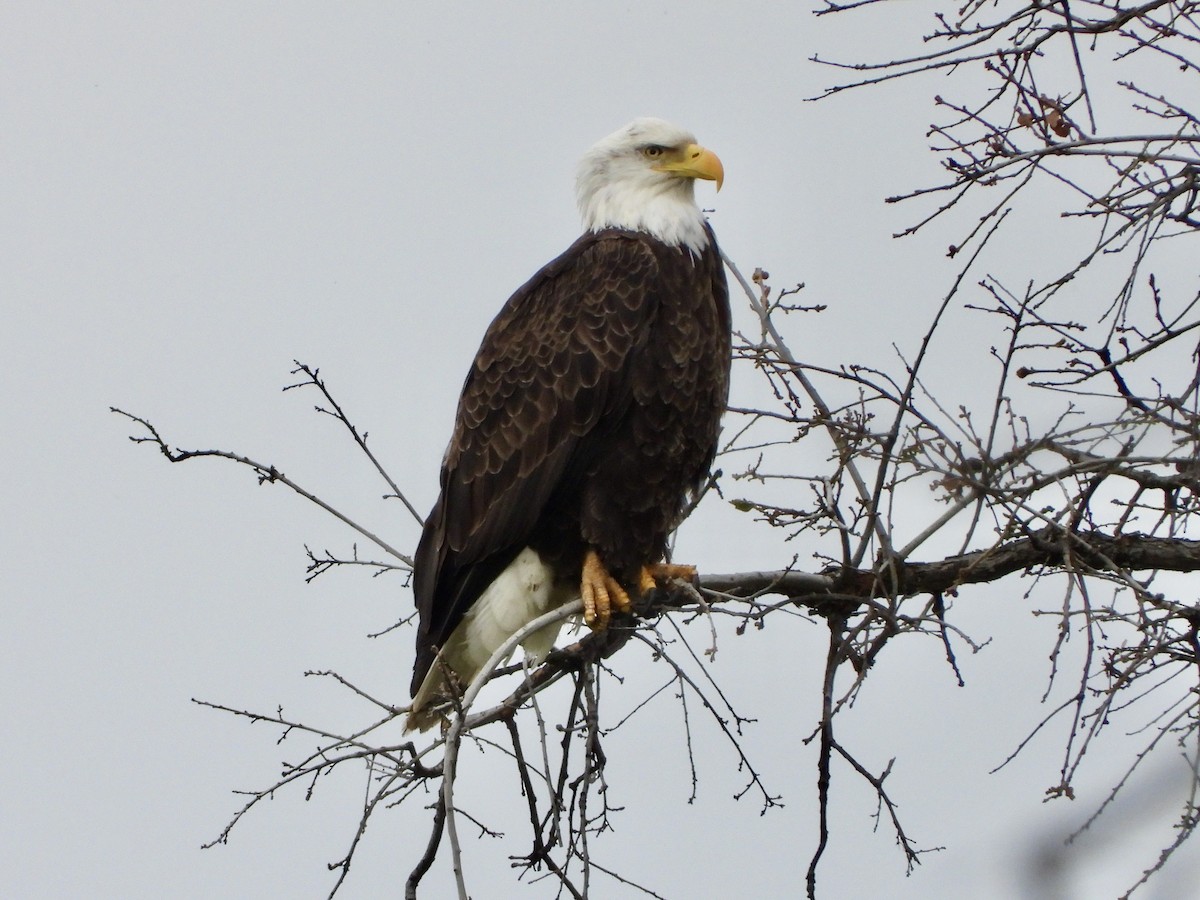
x,y
590,412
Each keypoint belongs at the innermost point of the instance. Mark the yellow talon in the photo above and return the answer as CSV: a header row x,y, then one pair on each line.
x,y
666,571
646,581
600,593
649,576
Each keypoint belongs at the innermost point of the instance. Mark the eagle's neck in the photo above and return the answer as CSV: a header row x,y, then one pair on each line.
x,y
664,208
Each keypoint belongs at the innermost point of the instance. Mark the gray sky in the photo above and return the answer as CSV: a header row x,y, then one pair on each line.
x,y
193,198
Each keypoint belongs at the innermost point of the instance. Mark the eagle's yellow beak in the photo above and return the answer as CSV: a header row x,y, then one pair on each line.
x,y
695,161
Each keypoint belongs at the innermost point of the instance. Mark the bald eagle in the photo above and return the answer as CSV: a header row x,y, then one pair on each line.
x,y
589,416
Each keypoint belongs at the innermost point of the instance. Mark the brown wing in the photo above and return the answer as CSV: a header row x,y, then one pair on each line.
x,y
551,370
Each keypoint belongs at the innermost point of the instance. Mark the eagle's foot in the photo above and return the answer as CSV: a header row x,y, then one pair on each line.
x,y
601,593
650,576
667,571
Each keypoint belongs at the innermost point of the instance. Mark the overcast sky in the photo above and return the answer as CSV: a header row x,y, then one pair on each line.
x,y
193,196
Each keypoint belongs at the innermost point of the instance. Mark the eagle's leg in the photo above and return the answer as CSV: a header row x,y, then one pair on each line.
x,y
600,593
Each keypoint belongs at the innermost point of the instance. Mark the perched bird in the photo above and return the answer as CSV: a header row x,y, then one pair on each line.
x,y
588,418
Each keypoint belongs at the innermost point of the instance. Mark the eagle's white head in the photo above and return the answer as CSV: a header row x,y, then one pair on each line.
x,y
642,177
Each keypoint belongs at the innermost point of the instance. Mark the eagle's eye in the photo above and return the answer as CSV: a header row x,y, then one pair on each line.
x,y
653,151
